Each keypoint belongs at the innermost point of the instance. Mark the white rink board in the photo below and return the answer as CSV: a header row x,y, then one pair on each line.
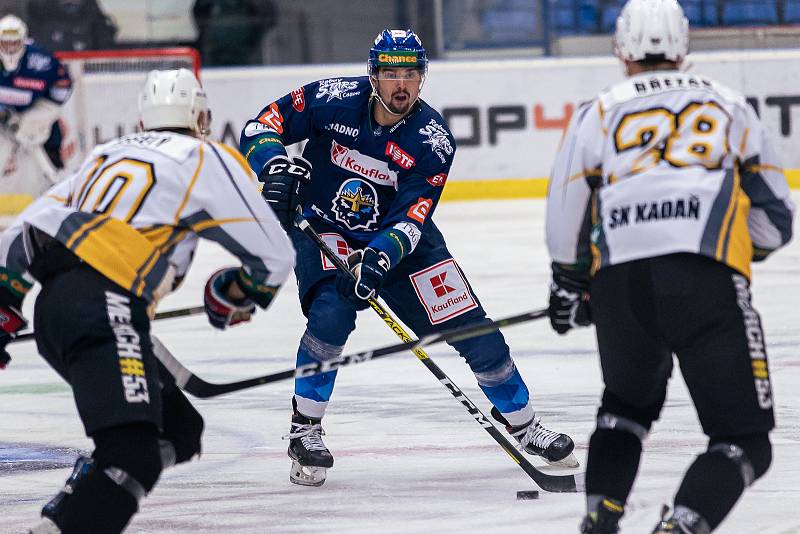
x,y
509,91
409,458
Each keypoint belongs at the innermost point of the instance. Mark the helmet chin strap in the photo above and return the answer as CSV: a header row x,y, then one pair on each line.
x,y
376,95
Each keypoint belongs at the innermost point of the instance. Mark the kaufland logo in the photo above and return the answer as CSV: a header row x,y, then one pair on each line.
x,y
449,303
364,166
443,291
439,286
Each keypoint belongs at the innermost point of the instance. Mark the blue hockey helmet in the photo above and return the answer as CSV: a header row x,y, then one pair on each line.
x,y
397,48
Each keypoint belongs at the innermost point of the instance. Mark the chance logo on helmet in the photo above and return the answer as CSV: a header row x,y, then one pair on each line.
x,y
397,48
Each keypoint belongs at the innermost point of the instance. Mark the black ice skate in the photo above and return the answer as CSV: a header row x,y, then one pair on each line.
x,y
53,509
534,438
682,521
310,457
605,519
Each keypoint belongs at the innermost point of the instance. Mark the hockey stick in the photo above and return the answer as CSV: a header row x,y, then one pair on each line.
x,y
202,389
553,483
181,312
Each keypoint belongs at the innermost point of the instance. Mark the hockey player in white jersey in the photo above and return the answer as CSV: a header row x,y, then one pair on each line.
x,y
664,190
106,244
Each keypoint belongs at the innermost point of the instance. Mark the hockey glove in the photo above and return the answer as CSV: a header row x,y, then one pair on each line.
x,y
284,180
11,322
369,266
569,300
222,309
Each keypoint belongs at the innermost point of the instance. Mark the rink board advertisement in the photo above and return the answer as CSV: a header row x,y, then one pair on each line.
x,y
507,116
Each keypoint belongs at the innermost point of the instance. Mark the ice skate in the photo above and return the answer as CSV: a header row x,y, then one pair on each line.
x,y
310,457
682,521
534,438
605,519
52,510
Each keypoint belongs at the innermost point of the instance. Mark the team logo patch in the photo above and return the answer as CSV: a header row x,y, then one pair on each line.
x,y
338,245
38,61
335,88
299,100
437,180
443,291
399,156
437,139
272,118
420,210
356,204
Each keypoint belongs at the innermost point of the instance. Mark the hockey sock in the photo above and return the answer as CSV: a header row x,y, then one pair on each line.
x,y
717,478
97,505
509,394
612,463
319,387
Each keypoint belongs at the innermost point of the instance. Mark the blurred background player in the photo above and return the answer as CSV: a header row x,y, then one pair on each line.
x,y
380,158
33,87
669,179
110,241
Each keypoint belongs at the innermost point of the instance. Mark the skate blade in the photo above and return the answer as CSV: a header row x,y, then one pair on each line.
x,y
568,461
306,475
46,526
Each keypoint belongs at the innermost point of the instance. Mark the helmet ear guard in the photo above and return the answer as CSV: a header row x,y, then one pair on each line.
x,y
174,99
648,29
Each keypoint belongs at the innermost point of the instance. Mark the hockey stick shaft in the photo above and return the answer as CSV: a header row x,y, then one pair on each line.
x,y
170,314
200,388
553,483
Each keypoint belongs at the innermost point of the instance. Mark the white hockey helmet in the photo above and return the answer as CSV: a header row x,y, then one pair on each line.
x,y
13,34
652,28
174,99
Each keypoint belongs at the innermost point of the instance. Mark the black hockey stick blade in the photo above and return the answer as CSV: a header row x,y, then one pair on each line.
x,y
170,314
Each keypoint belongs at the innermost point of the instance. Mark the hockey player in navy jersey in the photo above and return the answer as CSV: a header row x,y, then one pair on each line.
x,y
33,87
368,181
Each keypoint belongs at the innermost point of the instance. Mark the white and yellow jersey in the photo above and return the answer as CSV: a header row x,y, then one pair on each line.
x,y
666,162
137,205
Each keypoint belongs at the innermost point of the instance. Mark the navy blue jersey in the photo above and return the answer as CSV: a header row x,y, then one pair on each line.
x,y
38,75
378,185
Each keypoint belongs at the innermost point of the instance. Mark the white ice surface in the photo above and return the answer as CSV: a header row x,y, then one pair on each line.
x,y
409,458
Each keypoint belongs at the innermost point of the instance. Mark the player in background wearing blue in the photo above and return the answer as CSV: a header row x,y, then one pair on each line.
x,y
33,87
380,158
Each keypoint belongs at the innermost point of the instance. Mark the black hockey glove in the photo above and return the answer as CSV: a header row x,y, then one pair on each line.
x,y
369,266
284,180
569,300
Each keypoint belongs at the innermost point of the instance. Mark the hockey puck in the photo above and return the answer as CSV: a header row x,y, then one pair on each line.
x,y
527,495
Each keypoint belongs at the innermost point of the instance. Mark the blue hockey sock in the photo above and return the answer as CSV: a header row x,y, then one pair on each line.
x,y
319,387
510,395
